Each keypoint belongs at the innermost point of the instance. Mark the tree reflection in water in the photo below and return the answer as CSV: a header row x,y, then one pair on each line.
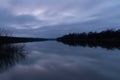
x,y
10,54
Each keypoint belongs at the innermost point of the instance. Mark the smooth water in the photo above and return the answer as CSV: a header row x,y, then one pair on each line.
x,y
55,61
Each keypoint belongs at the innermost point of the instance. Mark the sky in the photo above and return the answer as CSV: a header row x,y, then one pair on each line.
x,y
52,18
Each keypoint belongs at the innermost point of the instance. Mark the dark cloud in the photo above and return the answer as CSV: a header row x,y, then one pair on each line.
x,y
10,19
7,18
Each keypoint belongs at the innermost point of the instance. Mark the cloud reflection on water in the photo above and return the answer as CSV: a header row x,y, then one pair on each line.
x,y
52,60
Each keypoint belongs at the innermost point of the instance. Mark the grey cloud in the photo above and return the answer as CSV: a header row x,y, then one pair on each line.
x,y
8,18
61,15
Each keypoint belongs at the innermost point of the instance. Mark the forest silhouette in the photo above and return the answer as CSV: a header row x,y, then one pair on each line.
x,y
109,39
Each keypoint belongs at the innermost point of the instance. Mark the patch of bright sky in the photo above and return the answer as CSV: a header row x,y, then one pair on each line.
x,y
34,12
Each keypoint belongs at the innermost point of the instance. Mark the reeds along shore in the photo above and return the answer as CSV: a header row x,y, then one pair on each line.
x,y
10,54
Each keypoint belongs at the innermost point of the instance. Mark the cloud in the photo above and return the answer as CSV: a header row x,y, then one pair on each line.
x,y
38,14
13,20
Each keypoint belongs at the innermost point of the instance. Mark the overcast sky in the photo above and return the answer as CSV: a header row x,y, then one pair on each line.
x,y
49,17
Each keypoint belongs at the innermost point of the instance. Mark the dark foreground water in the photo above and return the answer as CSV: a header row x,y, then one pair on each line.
x,y
55,61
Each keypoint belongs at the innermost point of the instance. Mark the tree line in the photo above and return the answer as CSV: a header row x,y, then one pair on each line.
x,y
109,39
106,35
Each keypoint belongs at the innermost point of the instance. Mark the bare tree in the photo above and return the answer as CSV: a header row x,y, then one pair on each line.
x,y
4,32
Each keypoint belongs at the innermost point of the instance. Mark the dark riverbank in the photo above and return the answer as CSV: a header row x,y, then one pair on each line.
x,y
106,39
8,39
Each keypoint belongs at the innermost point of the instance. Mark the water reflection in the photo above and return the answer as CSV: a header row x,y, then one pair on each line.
x,y
107,45
10,54
54,61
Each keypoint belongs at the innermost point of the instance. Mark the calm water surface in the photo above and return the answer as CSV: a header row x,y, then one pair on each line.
x,y
55,61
